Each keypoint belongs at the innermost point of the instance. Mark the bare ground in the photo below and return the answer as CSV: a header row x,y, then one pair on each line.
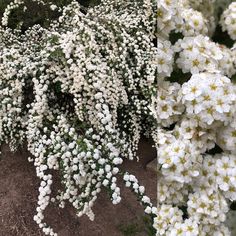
x,y
19,191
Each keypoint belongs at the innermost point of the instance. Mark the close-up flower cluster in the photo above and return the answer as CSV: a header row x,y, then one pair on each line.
x,y
195,110
78,93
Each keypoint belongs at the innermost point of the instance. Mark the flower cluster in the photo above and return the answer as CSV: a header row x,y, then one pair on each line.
x,y
78,93
188,17
210,99
195,112
228,20
166,106
199,54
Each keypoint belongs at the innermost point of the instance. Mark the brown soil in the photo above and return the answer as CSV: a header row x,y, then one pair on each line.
x,y
18,198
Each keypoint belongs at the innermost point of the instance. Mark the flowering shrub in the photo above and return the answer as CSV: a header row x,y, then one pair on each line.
x,y
195,109
78,92
83,90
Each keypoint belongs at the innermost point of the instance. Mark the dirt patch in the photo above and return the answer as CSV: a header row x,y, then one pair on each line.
x,y
19,191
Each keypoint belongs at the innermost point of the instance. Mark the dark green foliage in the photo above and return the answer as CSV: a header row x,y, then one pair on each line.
x,y
150,230
178,76
233,78
138,226
37,13
130,229
215,150
233,206
222,37
174,37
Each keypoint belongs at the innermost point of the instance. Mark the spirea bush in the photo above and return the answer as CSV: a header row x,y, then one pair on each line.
x,y
195,110
82,89
78,92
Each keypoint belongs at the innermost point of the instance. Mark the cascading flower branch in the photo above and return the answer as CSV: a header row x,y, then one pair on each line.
x,y
78,92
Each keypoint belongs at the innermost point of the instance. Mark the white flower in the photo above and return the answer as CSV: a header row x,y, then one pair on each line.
x,y
210,101
228,20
